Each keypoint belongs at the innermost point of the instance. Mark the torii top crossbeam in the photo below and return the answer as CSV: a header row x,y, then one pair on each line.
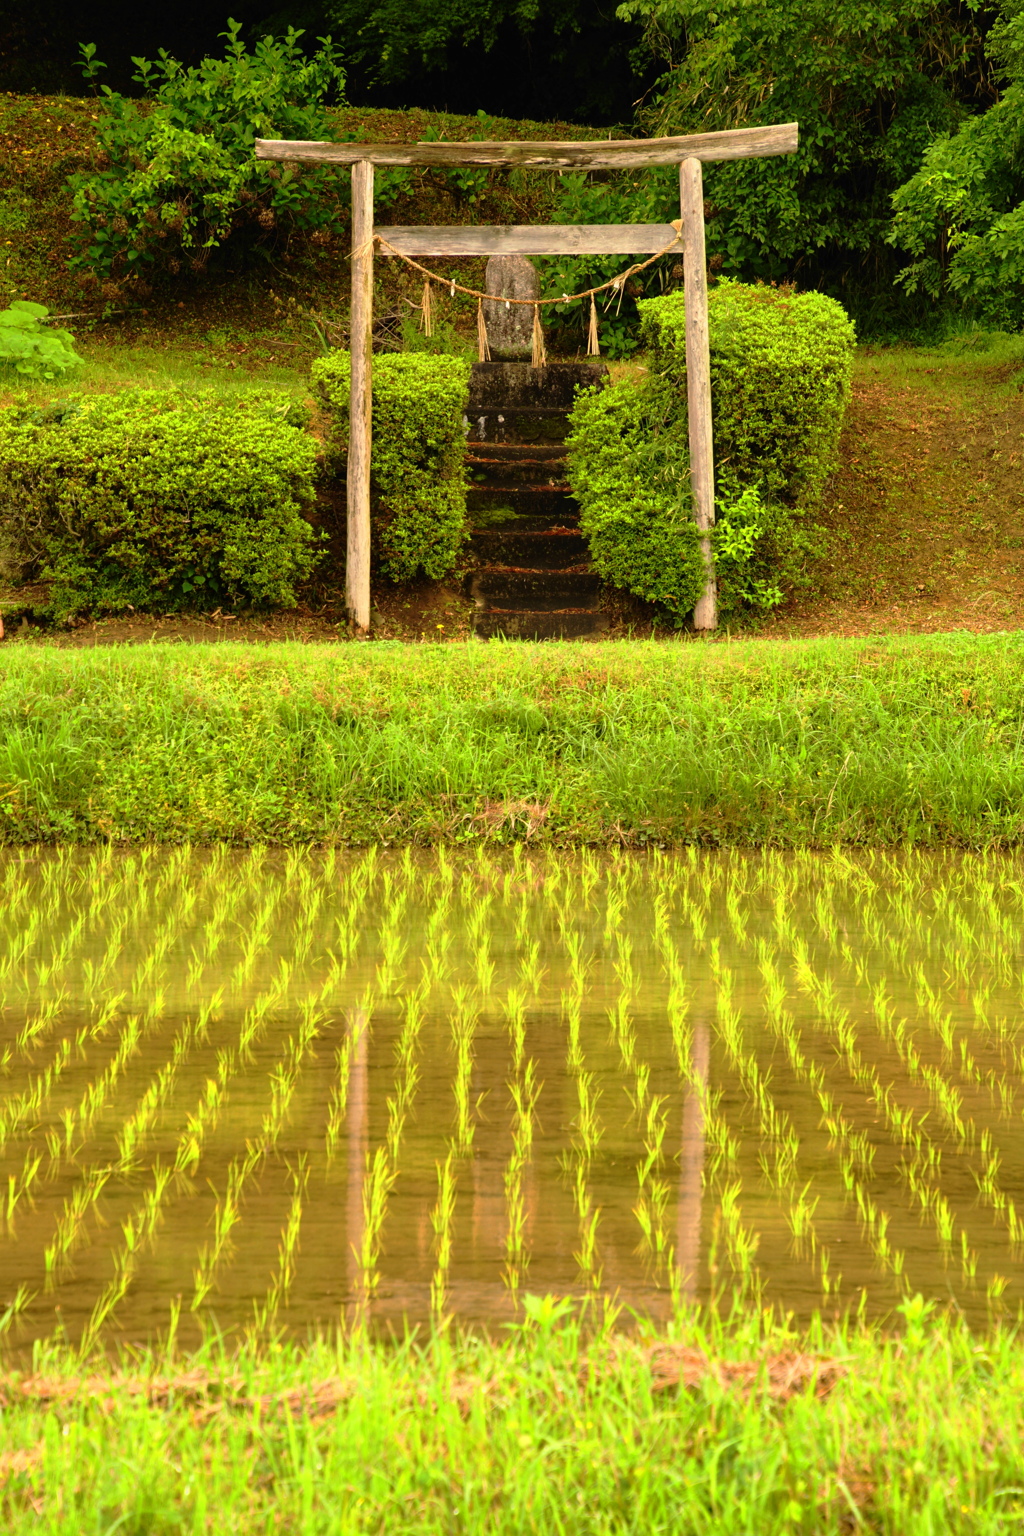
x,y
687,151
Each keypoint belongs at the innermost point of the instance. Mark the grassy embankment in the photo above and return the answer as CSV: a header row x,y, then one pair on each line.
x,y
886,741
731,1430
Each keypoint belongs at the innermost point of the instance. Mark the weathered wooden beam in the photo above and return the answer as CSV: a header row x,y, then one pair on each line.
x,y
357,563
581,155
529,239
698,383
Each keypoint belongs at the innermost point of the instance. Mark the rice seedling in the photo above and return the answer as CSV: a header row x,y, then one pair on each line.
x,y
21,1299
378,1178
442,1219
524,1091
344,1057
266,1315
463,1027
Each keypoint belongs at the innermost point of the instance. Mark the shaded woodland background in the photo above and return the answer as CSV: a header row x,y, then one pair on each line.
x,y
905,200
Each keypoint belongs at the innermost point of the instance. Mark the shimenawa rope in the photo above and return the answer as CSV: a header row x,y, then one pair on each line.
x,y
539,354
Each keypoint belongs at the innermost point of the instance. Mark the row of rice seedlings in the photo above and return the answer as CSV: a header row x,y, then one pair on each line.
x,y
256,941
344,1056
391,943
285,1075
438,940
586,1130
904,1126
478,933
36,1028
855,1152
400,1103
777,1130
381,1168
226,1216
524,1091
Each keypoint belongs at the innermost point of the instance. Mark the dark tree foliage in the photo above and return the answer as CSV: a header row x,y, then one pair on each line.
x,y
573,60
871,82
567,59
39,39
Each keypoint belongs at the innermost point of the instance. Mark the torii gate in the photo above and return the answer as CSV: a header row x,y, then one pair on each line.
x,y
688,151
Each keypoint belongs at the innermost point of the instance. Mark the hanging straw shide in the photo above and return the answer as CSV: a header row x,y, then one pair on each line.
x,y
593,339
483,346
426,316
540,357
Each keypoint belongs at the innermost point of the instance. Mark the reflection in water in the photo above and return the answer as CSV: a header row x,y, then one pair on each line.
x,y
691,1164
598,1061
358,1145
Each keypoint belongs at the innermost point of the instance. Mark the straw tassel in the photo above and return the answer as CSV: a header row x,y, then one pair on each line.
x,y
540,357
483,346
426,317
593,340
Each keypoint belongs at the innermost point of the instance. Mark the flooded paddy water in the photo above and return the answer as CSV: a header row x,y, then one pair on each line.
x,y
288,1089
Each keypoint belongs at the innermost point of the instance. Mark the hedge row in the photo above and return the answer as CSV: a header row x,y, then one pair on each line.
x,y
781,364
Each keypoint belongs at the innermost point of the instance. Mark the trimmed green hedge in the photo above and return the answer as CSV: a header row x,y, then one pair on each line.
x,y
148,500
629,467
781,365
417,463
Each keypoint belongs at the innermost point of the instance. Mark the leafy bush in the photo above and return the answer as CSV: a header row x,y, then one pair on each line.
x,y
181,175
417,466
30,346
146,500
780,380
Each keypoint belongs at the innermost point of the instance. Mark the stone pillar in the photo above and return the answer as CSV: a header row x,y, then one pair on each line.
x,y
510,331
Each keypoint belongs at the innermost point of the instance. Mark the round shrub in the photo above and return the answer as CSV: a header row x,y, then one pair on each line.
x,y
629,468
417,463
781,367
147,500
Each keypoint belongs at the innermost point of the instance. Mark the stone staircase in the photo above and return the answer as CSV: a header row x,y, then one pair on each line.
x,y
533,580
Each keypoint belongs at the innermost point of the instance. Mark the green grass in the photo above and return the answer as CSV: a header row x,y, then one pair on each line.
x,y
874,741
545,1431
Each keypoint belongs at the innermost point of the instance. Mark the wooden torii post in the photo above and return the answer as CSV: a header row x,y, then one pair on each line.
x,y
688,152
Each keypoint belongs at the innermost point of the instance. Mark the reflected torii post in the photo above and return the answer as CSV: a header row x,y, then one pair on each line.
x,y
358,1140
691,1165
689,152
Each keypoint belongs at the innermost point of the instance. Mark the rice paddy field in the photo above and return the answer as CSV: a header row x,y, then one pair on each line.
x,y
272,1092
